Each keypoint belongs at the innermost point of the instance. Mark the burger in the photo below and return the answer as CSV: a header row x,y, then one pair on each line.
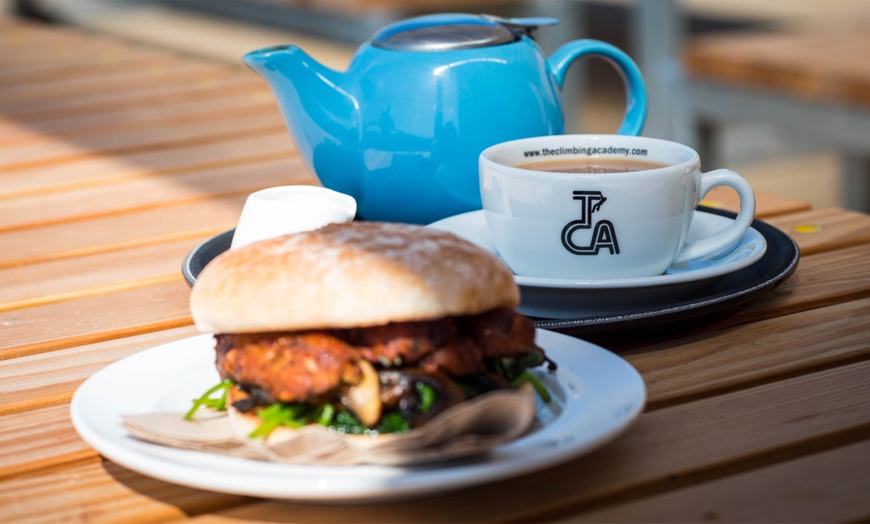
x,y
365,328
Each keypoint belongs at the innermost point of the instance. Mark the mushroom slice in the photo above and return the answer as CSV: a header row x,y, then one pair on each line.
x,y
364,398
399,391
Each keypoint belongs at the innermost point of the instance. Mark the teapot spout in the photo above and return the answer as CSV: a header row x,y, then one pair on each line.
x,y
312,97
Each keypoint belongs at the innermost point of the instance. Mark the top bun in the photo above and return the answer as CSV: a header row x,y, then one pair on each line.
x,y
349,275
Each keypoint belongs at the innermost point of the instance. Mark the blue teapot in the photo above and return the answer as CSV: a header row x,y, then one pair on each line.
x,y
401,130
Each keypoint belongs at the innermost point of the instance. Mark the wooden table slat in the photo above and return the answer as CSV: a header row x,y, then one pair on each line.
x,y
23,33
93,202
148,62
169,222
796,491
711,362
81,64
68,324
200,78
88,275
175,73
767,205
26,448
105,492
56,151
62,47
216,86
822,280
100,170
71,127
42,380
824,229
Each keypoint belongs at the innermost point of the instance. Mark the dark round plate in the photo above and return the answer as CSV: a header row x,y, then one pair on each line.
x,y
205,253
726,295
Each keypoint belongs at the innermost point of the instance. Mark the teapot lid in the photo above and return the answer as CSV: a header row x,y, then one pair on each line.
x,y
448,32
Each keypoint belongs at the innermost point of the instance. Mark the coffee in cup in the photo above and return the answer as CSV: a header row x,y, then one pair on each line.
x,y
590,165
600,206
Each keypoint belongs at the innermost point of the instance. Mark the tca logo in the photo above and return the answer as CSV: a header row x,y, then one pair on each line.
x,y
603,233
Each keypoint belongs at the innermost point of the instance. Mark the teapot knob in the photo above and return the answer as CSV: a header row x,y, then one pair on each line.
x,y
523,25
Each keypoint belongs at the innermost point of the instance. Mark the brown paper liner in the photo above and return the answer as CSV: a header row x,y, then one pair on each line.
x,y
470,428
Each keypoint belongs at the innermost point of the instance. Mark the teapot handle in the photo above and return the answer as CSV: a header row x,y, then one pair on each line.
x,y
635,91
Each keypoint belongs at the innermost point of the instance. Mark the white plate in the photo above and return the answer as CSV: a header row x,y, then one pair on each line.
x,y
567,298
597,395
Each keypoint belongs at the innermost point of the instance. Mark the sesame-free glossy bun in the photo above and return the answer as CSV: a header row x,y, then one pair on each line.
x,y
349,275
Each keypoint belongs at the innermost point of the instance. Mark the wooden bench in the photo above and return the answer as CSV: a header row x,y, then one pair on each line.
x,y
814,81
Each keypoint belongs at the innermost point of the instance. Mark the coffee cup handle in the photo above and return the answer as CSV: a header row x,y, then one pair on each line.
x,y
635,91
733,232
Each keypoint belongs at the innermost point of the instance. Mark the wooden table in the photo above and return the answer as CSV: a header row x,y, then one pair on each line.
x,y
116,160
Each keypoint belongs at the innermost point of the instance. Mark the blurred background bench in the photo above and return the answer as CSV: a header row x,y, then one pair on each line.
x,y
812,81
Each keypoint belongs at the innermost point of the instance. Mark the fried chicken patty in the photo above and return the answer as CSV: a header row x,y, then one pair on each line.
x,y
288,366
300,366
399,342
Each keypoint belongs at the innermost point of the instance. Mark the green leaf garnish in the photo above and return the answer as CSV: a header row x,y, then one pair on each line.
x,y
219,403
297,415
531,378
325,414
291,415
427,396
392,422
346,422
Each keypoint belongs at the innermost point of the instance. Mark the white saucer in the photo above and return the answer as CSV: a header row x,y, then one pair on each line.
x,y
566,298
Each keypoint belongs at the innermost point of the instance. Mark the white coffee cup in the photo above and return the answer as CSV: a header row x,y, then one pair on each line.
x,y
605,225
280,210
